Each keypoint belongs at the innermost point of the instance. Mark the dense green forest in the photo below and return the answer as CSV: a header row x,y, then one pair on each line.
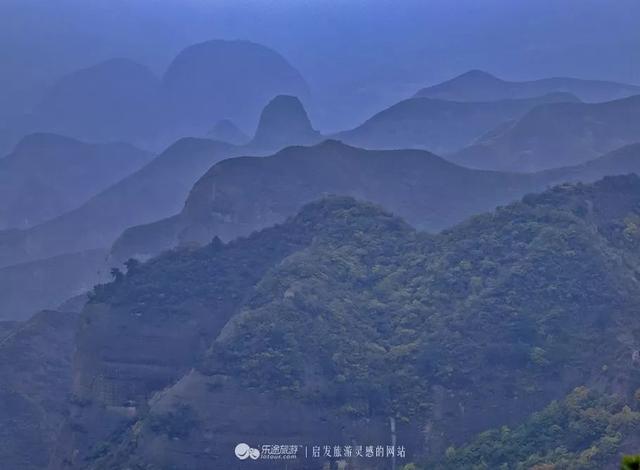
x,y
583,431
347,307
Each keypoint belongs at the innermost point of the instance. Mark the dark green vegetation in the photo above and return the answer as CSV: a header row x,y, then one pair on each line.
x,y
630,462
348,313
586,430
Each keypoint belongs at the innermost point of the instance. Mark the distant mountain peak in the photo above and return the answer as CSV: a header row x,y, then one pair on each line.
x,y
284,122
221,79
478,85
477,74
37,139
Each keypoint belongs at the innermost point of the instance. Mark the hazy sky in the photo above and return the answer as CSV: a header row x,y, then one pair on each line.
x,y
357,55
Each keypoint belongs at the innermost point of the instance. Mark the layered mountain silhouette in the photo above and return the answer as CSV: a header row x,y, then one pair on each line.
x,y
556,135
155,191
145,213
115,100
331,323
63,255
439,125
240,195
47,175
226,131
47,283
284,122
122,100
477,85
228,80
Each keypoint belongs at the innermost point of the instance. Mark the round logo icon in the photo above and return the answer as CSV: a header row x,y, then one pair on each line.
x,y
244,451
254,454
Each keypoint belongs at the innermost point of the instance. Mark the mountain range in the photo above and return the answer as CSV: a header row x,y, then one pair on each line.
x,y
146,213
228,80
155,191
477,85
122,100
555,135
441,126
46,175
342,317
240,195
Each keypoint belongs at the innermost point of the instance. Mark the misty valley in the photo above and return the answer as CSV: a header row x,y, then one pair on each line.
x,y
319,235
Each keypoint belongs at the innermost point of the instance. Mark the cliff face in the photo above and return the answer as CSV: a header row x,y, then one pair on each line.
x,y
284,122
35,365
127,352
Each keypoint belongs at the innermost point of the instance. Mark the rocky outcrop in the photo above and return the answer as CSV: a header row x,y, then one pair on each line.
x,y
284,122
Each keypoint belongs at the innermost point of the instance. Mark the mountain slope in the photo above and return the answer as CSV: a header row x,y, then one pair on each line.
x,y
155,191
325,327
226,131
477,85
438,125
595,428
240,195
47,175
621,161
244,194
556,135
44,284
35,365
